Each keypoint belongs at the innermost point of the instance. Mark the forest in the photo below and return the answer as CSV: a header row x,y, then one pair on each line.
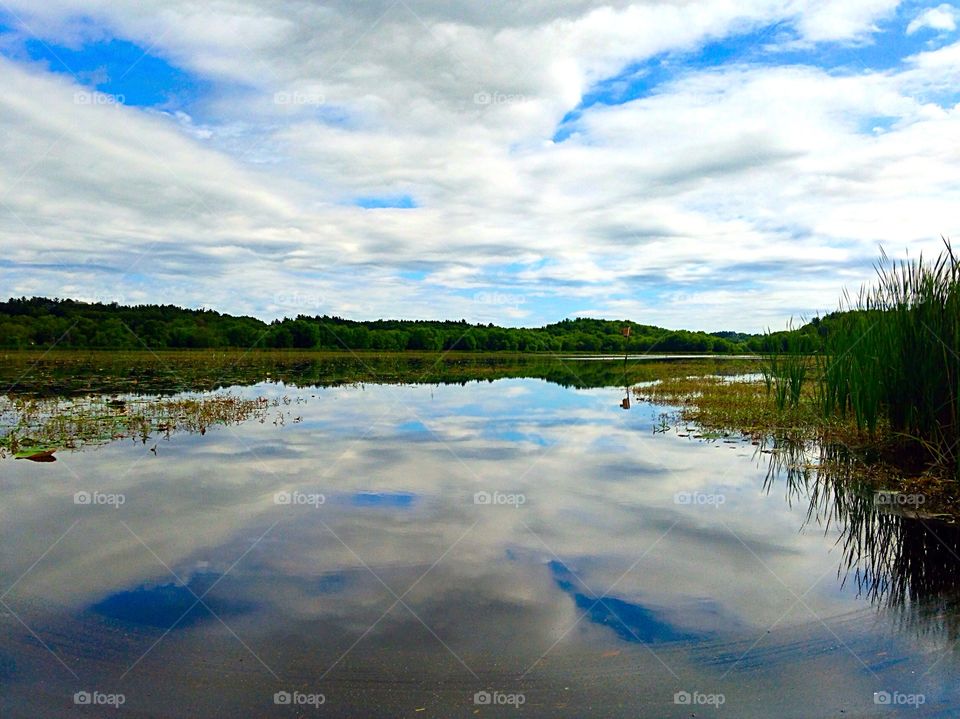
x,y
32,323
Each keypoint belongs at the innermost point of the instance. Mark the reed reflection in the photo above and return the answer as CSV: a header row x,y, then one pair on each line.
x,y
896,552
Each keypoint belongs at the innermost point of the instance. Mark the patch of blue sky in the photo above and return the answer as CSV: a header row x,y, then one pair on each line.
x,y
877,124
383,499
112,66
414,427
415,275
773,45
886,50
642,79
381,202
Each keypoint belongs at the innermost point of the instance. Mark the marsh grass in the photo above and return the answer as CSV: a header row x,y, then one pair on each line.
x,y
784,374
895,358
741,403
31,426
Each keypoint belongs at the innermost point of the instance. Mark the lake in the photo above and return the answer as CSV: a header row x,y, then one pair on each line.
x,y
526,543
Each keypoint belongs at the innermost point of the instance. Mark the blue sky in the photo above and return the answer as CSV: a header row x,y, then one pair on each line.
x,y
694,166
760,46
121,68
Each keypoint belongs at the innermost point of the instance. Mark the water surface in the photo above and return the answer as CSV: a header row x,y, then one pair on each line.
x,y
398,548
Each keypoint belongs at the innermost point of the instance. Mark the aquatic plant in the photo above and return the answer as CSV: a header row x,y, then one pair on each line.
x,y
894,357
784,372
35,428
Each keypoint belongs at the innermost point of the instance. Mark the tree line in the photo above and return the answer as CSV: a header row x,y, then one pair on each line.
x,y
38,322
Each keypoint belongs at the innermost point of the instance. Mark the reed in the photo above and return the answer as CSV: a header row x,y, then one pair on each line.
x,y
894,357
784,373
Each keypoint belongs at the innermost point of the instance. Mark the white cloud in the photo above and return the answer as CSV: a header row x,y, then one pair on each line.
x,y
738,182
822,20
942,18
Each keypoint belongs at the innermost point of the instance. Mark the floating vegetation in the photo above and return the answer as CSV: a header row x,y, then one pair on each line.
x,y
35,428
35,454
739,404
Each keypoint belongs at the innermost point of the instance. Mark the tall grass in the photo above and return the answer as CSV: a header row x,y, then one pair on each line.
x,y
895,356
784,372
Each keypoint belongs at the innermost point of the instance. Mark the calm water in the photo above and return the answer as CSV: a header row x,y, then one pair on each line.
x,y
392,550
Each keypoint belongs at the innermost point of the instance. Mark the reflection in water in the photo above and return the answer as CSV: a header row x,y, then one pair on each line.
x,y
71,372
401,548
166,605
630,621
899,560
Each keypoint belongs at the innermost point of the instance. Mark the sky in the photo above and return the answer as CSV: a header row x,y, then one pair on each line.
x,y
698,164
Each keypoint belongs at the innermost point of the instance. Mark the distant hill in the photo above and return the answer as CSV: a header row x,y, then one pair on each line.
x,y
41,322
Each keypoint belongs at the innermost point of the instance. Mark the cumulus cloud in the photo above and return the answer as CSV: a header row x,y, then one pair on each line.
x,y
849,20
942,18
723,182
